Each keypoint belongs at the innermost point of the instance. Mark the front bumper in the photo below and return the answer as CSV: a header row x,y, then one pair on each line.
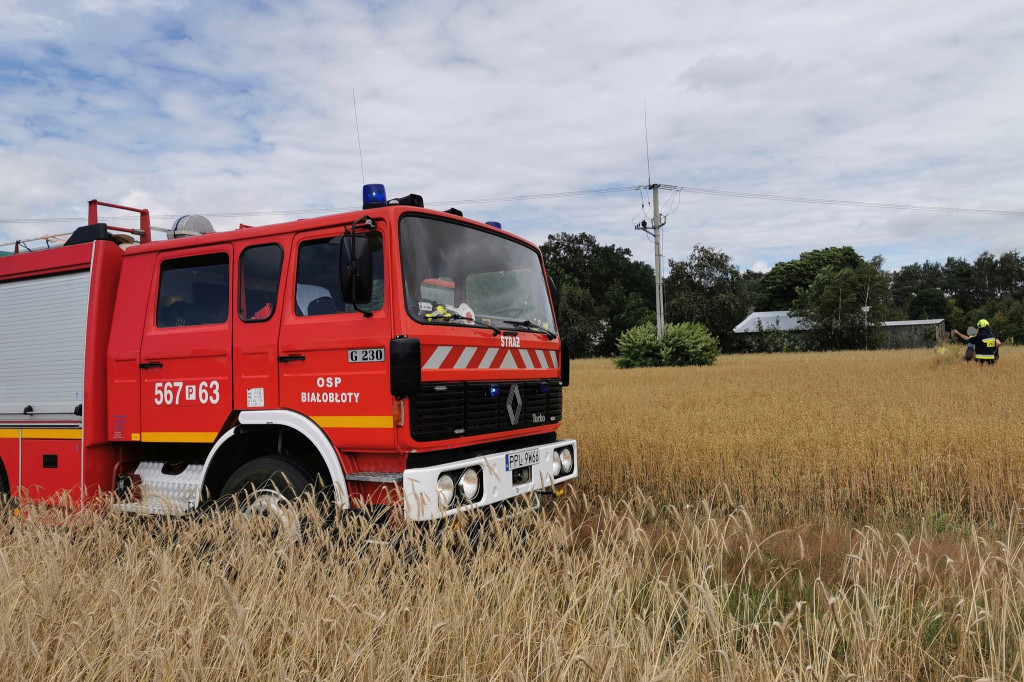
x,y
420,485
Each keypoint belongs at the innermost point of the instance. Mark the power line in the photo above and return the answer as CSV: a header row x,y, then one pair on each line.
x,y
346,209
577,193
531,197
842,202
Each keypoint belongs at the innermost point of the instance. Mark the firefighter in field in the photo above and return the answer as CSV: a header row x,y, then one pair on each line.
x,y
983,345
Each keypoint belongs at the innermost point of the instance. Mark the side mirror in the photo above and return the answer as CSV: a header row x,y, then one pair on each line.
x,y
555,298
355,263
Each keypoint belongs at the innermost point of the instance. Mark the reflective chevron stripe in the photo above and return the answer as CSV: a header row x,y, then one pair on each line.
x,y
483,357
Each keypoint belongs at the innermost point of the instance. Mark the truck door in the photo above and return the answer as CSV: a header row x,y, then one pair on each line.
x,y
186,348
257,326
332,357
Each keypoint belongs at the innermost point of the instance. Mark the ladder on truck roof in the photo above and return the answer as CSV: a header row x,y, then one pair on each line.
x,y
144,231
48,241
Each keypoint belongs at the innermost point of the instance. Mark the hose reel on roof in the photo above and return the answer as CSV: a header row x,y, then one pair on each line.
x,y
191,226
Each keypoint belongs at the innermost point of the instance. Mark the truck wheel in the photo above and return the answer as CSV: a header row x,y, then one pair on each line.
x,y
7,503
265,486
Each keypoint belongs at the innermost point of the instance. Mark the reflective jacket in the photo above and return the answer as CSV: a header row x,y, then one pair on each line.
x,y
984,344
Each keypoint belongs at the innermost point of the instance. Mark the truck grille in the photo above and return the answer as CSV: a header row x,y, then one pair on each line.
x,y
448,410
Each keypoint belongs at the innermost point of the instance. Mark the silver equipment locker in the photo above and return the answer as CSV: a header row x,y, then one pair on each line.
x,y
42,344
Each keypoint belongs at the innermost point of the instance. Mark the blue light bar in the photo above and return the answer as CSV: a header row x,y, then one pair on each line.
x,y
374,196
496,226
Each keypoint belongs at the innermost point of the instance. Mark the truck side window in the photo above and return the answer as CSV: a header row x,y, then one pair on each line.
x,y
193,291
317,278
259,276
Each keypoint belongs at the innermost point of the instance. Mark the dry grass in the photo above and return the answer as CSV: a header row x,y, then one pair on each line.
x,y
717,532
875,437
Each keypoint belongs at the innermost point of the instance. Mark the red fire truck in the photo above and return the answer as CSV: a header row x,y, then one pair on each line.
x,y
396,355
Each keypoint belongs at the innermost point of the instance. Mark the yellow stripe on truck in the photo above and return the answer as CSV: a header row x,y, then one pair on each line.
x,y
178,436
371,422
42,434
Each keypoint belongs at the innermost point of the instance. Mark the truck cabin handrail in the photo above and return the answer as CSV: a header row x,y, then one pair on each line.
x,y
144,231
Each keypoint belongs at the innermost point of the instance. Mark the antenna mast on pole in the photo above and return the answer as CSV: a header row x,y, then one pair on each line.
x,y
655,230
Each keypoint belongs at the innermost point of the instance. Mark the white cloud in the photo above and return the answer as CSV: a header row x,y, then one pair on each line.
x,y
247,106
730,71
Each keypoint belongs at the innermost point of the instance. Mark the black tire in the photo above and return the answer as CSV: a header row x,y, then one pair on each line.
x,y
267,486
287,476
7,503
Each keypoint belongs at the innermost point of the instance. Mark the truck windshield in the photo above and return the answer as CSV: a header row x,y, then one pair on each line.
x,y
457,274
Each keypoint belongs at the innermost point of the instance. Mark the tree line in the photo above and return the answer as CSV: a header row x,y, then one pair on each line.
x,y
605,291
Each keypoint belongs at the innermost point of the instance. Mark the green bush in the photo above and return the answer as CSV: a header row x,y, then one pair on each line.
x,y
688,343
639,347
771,339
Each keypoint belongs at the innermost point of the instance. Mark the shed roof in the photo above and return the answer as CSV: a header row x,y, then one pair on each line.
x,y
911,323
780,319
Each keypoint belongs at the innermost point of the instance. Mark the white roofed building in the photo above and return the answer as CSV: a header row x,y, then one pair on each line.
x,y
914,333
896,333
782,320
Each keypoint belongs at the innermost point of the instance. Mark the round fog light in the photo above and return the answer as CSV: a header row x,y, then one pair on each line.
x,y
445,490
566,458
469,484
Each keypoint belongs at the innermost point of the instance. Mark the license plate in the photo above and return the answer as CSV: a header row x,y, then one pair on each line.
x,y
514,460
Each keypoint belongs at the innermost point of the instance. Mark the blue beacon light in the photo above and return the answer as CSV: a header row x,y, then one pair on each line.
x,y
495,225
493,391
374,196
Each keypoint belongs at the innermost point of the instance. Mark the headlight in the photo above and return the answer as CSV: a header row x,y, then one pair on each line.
x,y
445,490
469,484
566,457
556,464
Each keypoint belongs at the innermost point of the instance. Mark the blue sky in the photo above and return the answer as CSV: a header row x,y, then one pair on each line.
x,y
245,108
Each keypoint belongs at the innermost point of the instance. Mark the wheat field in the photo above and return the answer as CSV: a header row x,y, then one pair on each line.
x,y
810,517
867,437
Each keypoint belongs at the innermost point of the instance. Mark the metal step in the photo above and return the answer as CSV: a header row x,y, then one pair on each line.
x,y
162,493
375,477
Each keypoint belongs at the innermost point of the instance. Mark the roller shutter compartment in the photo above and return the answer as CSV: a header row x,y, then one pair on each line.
x,y
42,343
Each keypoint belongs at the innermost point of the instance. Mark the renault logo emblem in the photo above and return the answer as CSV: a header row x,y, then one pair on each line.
x,y
514,405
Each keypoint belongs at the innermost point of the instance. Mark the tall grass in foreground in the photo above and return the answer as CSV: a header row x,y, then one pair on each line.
x,y
719,530
614,597
879,437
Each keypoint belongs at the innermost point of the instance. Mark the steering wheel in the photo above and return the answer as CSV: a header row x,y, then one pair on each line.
x,y
511,311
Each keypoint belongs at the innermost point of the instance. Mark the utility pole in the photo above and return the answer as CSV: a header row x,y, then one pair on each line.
x,y
659,301
655,229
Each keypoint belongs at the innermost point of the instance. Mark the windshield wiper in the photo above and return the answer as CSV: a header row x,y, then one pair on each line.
x,y
529,324
456,315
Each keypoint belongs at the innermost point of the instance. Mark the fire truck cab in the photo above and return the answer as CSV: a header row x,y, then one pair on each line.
x,y
394,355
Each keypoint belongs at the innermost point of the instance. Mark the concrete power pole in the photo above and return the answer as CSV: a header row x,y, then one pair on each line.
x,y
659,301
655,230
